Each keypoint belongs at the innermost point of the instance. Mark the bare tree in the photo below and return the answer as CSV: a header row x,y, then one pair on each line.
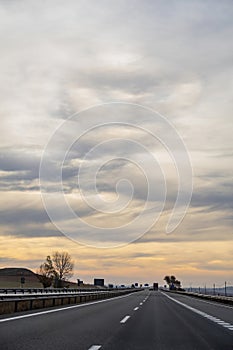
x,y
56,269
45,275
62,265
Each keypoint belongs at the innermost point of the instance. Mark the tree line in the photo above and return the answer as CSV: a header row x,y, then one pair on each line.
x,y
172,282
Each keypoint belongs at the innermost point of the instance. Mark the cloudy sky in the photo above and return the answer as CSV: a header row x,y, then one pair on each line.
x,y
118,101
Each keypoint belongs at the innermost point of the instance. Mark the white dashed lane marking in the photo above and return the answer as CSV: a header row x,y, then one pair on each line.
x,y
136,308
125,319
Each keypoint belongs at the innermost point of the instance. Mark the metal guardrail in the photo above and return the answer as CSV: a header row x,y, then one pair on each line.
x,y
47,290
7,294
217,298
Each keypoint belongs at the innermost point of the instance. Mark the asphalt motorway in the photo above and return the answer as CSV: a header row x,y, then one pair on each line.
x,y
142,320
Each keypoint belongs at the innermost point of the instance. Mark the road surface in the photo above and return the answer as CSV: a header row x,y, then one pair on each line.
x,y
142,320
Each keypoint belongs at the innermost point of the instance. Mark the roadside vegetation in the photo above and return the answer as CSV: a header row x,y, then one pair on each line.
x,y
173,283
56,270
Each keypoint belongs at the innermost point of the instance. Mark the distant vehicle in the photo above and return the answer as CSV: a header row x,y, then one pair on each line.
x,y
155,286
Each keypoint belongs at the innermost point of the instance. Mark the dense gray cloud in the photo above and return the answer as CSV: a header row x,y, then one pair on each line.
x,y
175,58
19,160
21,216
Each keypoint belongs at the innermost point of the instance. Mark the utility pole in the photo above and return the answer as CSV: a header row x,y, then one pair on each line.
x,y
214,288
225,289
205,288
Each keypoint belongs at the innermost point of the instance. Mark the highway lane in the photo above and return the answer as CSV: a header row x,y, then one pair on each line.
x,y
143,320
164,324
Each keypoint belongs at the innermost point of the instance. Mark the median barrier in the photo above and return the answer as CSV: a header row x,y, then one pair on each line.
x,y
7,307
57,301
48,302
72,300
77,299
35,304
65,301
20,304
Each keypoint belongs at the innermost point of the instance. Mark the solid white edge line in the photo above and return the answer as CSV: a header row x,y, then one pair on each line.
x,y
201,313
125,319
61,309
